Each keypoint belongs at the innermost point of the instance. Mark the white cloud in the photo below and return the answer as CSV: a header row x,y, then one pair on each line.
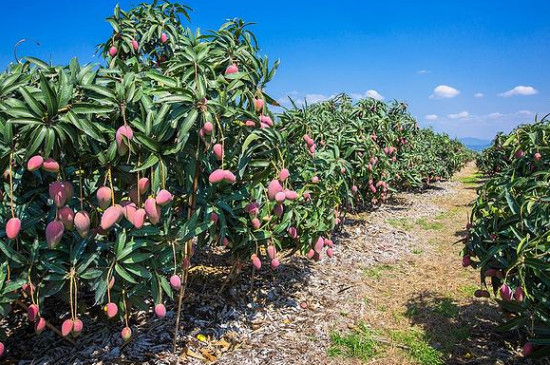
x,y
444,91
431,117
368,94
461,115
479,95
495,115
317,98
519,90
423,72
524,113
374,94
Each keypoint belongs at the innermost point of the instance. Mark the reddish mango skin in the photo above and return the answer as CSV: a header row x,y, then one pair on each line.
x,y
163,38
50,165
482,294
66,216
111,309
67,327
505,293
32,312
69,189
82,223
278,210
231,69
218,151
58,193
256,223
256,263
519,294
126,334
319,245
152,210
160,310
253,209
40,325
103,196
130,212
208,128
13,227
274,264
273,188
35,163
135,45
271,252
163,197
280,197
330,252
259,105
229,177
54,233
216,176
78,326
266,120
143,185
112,51
293,232
110,217
291,195
528,349
175,282
284,174
139,218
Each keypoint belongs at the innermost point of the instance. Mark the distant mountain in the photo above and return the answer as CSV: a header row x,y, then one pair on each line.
x,y
475,144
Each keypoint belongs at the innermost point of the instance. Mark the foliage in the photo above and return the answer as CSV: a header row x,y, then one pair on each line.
x,y
508,234
119,173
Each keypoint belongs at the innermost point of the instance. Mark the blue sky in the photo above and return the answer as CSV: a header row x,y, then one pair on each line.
x,y
469,68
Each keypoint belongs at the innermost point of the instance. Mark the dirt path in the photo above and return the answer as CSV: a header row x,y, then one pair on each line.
x,y
395,293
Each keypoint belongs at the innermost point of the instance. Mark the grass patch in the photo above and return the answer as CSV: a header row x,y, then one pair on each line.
x,y
376,272
470,180
468,290
408,225
417,251
401,223
429,225
419,348
359,344
446,307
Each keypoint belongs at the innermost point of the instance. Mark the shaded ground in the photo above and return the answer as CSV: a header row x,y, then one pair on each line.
x,y
395,293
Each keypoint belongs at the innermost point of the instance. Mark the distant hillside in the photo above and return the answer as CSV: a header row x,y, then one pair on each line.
x,y
475,144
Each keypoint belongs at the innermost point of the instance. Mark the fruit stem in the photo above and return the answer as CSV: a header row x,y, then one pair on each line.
x,y
48,324
187,245
111,183
81,190
233,268
11,186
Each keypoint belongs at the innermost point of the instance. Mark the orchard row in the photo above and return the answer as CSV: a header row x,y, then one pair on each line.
x,y
508,234
116,174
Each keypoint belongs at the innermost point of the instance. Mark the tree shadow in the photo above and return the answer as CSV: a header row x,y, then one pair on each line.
x,y
464,334
206,310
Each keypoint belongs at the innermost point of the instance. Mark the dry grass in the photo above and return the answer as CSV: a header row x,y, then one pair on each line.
x,y
424,303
